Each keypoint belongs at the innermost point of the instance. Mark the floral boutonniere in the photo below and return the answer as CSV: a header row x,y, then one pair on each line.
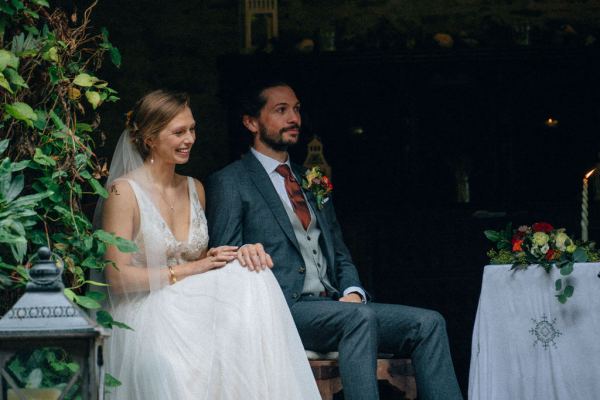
x,y
318,184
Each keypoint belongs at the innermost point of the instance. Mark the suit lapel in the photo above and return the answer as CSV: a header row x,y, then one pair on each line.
x,y
263,184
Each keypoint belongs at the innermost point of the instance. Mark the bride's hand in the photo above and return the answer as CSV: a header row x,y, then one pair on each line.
x,y
216,257
254,257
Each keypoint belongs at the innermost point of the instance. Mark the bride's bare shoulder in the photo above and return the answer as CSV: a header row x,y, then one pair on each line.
x,y
121,195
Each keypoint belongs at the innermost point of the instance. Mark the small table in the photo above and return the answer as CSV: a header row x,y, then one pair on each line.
x,y
528,346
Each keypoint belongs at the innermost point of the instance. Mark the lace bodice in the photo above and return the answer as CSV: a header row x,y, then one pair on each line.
x,y
178,252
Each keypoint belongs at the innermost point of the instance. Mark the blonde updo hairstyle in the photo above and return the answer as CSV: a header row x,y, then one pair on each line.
x,y
151,114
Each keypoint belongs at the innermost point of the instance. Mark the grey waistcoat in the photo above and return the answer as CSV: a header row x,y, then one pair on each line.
x,y
315,280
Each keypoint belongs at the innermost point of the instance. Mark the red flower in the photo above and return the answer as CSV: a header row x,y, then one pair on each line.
x,y
517,245
327,183
550,254
542,227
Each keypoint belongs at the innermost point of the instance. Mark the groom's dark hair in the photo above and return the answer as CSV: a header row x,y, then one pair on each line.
x,y
252,99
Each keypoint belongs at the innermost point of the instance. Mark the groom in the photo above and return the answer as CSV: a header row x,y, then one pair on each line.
x,y
258,199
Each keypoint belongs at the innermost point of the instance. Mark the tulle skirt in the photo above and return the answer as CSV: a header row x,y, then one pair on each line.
x,y
226,334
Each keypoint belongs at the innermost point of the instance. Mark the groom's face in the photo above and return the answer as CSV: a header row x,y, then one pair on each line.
x,y
278,124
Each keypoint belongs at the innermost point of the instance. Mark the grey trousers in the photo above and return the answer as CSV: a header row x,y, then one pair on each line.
x,y
359,331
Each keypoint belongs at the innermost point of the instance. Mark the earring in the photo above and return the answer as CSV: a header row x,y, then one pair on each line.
x,y
151,160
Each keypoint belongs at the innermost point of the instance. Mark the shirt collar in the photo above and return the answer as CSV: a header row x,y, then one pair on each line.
x,y
268,163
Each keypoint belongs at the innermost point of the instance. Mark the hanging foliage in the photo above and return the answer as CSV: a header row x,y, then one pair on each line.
x,y
48,122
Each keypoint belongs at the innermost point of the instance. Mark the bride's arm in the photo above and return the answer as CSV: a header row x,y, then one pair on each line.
x,y
121,217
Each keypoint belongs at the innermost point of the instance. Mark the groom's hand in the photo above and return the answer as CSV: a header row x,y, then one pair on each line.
x,y
351,298
254,257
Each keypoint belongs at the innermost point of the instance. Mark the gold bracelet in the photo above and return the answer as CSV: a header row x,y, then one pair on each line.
x,y
172,277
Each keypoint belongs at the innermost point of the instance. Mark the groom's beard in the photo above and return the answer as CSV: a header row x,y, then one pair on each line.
x,y
276,140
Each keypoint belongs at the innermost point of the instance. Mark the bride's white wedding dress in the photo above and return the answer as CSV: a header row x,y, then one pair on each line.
x,y
226,334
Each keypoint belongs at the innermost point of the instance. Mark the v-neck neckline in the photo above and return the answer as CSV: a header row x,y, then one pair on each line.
x,y
164,221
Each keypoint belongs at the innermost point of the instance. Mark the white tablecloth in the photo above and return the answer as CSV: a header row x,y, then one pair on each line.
x,y
528,346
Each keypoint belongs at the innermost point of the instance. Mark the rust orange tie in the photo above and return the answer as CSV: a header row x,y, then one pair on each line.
x,y
295,194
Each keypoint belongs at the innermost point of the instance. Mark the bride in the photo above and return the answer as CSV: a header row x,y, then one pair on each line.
x,y
204,327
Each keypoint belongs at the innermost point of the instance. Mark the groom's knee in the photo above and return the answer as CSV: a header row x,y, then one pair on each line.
x,y
431,322
363,318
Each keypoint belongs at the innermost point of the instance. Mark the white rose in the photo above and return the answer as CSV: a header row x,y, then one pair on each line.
x,y
562,240
540,239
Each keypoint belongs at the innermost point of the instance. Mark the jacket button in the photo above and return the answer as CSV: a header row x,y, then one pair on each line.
x,y
294,295
301,270
314,252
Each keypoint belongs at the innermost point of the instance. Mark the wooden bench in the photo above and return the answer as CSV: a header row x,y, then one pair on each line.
x,y
398,372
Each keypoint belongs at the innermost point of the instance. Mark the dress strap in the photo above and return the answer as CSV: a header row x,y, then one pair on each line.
x,y
194,199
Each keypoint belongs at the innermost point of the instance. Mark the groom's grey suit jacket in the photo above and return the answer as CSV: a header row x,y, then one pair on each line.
x,y
244,207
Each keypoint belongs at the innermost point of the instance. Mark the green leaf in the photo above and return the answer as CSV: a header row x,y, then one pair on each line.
x,y
3,145
42,3
14,78
558,284
111,381
83,127
96,283
17,4
87,302
115,56
81,159
57,121
5,57
98,296
54,73
562,299
4,83
22,112
494,236
5,8
85,80
580,256
16,187
106,237
73,367
31,199
567,269
42,159
70,294
51,54
126,246
98,188
93,98
107,321
569,290
18,166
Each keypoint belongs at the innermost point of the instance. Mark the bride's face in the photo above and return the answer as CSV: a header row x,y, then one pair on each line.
x,y
175,141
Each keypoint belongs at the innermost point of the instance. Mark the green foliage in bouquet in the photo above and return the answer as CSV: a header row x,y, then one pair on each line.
x,y
543,245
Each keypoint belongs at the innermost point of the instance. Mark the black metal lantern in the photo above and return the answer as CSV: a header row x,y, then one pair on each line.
x,y
45,318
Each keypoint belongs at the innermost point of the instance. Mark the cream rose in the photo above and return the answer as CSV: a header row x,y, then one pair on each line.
x,y
562,240
540,239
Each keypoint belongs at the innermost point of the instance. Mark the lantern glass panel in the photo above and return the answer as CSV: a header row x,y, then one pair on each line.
x,y
44,373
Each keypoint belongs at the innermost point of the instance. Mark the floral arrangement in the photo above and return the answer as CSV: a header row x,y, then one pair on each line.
x,y
318,184
543,245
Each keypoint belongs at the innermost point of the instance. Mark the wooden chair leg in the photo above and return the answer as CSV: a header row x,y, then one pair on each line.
x,y
398,373
329,387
